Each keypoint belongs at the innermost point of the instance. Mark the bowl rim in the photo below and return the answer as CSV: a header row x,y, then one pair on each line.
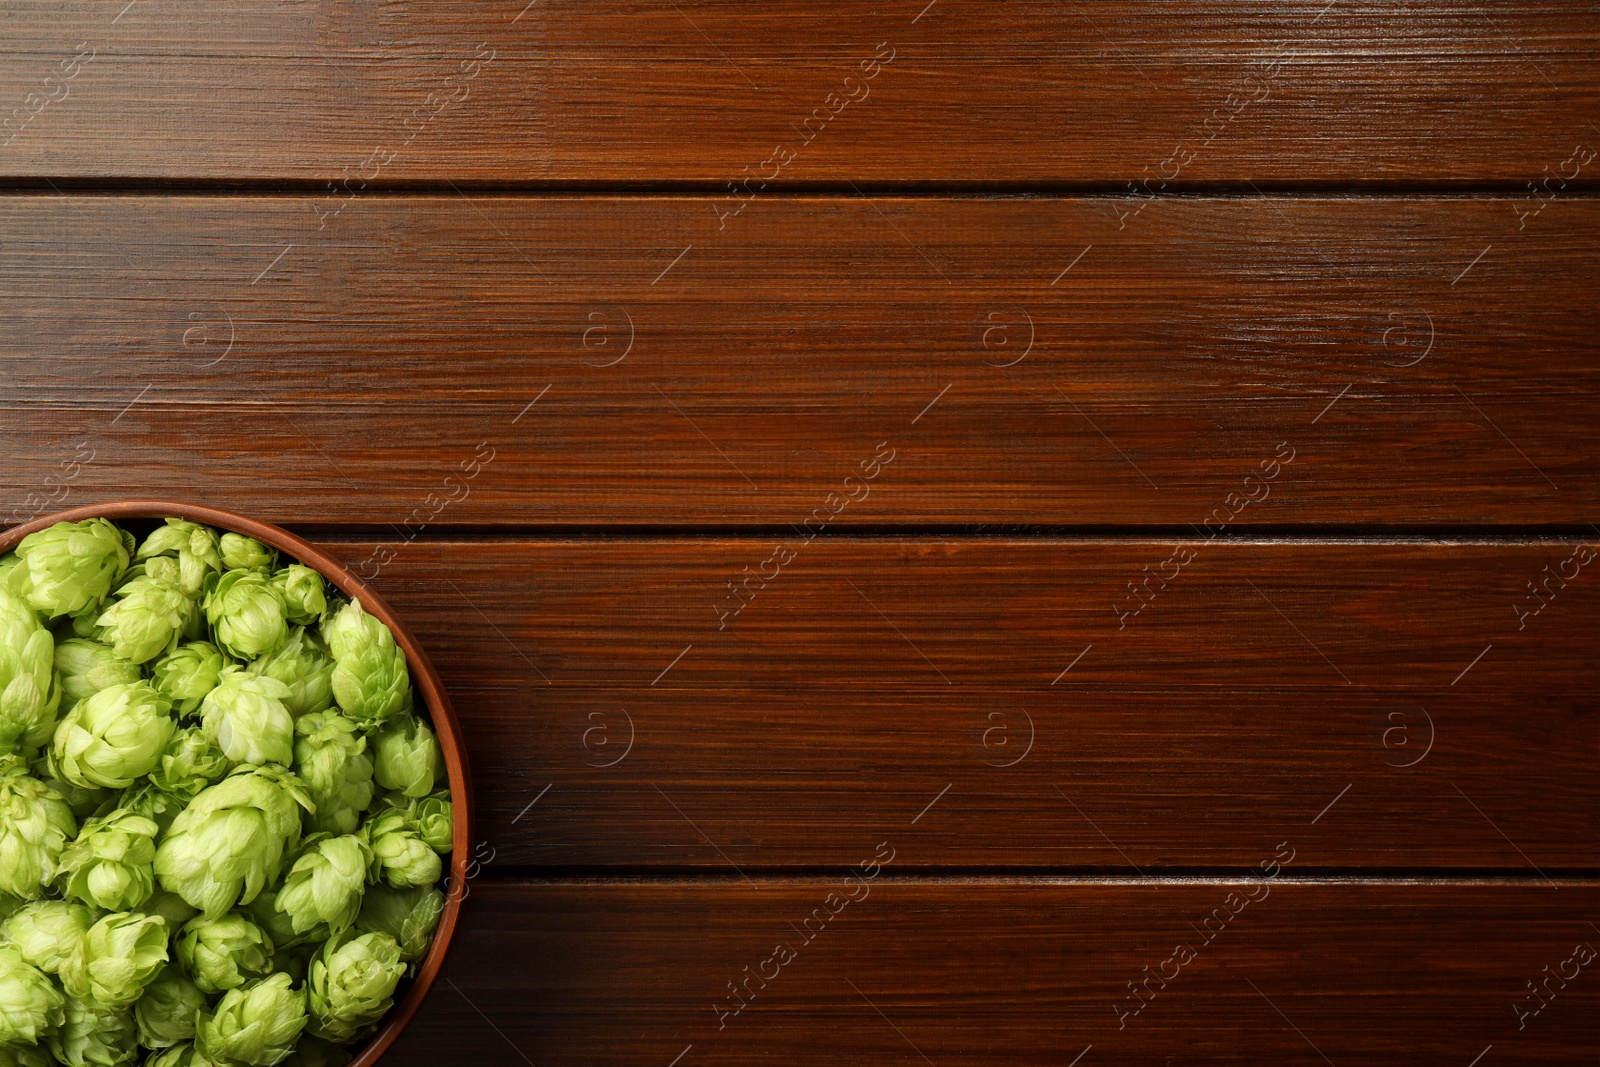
x,y
423,676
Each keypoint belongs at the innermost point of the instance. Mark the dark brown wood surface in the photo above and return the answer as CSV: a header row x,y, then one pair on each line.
x,y
659,725
707,90
555,319
1426,361
980,972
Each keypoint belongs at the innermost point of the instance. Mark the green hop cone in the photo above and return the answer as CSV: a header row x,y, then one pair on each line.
x,y
35,826
370,680
166,1014
147,617
171,907
29,693
190,762
253,1026
48,932
26,1056
30,1005
112,738
183,1055
313,1051
407,757
434,818
109,865
294,961
329,755
70,567
303,594
244,715
187,673
241,553
228,844
192,545
95,1035
245,611
121,954
409,915
154,804
84,626
324,886
400,857
86,667
304,665
83,802
351,983
278,927
224,953
431,817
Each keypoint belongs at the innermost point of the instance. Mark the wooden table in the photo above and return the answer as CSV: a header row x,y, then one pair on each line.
x,y
960,533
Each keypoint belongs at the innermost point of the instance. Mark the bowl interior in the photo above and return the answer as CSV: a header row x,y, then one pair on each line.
x,y
141,516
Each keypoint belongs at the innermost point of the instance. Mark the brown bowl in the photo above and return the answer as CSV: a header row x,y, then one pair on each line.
x,y
423,676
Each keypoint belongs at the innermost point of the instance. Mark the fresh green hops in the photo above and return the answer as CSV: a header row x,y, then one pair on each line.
x,y
165,1015
121,954
228,844
86,667
351,983
408,759
245,716
109,865
246,613
29,693
224,953
70,567
255,1025
30,1005
113,738
48,932
370,680
35,826
408,915
186,674
325,884
147,617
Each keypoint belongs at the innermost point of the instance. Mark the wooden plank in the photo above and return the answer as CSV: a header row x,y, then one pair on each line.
x,y
1031,973
1349,688
715,90
1024,360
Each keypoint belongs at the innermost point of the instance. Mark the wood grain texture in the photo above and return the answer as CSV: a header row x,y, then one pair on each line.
x,y
704,90
612,725
1429,362
979,973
